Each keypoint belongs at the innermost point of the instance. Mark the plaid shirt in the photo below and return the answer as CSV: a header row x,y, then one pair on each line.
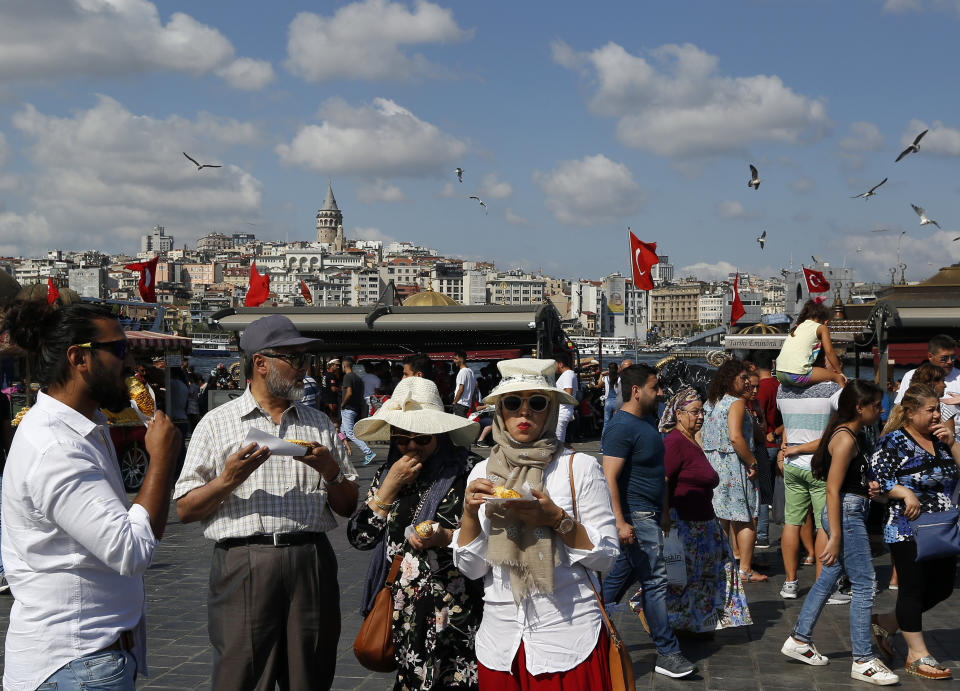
x,y
282,495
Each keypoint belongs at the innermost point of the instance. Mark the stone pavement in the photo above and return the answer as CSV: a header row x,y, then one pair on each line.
x,y
744,658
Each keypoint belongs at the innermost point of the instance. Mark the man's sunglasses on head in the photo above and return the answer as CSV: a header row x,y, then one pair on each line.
x,y
118,347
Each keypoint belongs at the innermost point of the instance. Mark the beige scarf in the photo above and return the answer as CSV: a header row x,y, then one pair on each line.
x,y
528,551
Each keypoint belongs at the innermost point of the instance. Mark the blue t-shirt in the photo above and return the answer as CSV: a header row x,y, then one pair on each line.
x,y
642,480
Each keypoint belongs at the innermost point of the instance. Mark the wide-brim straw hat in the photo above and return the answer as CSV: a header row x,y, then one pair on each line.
x,y
528,374
416,407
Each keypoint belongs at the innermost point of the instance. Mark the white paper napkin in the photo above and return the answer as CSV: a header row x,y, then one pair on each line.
x,y
277,446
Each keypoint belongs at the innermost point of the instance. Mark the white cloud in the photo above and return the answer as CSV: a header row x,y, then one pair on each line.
x,y
104,176
56,39
494,188
371,234
734,210
515,219
709,272
864,137
365,40
248,74
25,234
678,105
449,190
802,185
380,191
941,139
924,252
900,6
377,140
7,182
591,190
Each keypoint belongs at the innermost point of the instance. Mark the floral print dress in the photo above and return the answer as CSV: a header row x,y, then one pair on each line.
x,y
437,610
736,497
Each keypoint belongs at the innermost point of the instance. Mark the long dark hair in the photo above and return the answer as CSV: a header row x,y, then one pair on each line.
x,y
39,328
817,311
614,371
723,378
857,393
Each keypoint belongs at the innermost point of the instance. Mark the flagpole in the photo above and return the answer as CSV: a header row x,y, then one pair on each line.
x,y
633,300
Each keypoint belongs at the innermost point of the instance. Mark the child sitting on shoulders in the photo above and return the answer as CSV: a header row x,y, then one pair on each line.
x,y
801,347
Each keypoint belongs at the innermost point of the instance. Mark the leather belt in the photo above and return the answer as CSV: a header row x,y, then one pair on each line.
x,y
124,642
274,539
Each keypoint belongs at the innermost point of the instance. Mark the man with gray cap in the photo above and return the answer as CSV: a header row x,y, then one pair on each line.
x,y
273,607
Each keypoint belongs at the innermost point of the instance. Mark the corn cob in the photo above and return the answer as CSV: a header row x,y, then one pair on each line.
x,y
141,396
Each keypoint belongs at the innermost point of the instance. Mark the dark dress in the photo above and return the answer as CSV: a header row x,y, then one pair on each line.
x,y
438,610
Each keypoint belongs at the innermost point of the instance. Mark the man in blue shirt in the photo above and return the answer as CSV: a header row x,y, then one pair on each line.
x,y
633,466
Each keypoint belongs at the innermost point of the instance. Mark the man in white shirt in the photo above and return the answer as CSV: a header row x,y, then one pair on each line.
x,y
942,352
466,385
274,602
74,549
566,380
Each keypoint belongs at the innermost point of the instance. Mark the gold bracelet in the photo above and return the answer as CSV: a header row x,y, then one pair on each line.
x,y
381,505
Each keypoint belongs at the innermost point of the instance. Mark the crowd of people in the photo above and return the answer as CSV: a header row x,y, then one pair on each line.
x,y
492,566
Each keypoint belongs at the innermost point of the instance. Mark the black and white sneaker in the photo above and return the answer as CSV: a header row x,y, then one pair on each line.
x,y
675,665
4,586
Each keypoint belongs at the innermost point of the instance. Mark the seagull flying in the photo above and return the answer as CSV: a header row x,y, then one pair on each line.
x,y
198,165
482,203
762,239
754,180
923,217
913,148
459,172
873,191
859,250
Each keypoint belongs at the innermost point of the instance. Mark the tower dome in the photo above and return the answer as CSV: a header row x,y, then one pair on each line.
x,y
329,218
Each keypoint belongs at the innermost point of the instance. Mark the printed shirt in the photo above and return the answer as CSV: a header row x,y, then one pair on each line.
x,y
806,412
900,460
283,495
74,549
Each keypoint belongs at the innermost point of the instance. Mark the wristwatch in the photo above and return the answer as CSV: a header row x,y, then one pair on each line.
x,y
565,524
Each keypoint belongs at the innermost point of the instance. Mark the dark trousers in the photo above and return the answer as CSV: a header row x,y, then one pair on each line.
x,y
274,617
459,409
923,584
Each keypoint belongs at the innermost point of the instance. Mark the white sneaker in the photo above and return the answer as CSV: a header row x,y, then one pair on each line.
x,y
838,598
805,652
873,672
789,590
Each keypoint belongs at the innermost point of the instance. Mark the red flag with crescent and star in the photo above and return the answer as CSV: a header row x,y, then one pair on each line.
x,y
52,292
816,281
259,289
736,308
305,292
643,255
147,285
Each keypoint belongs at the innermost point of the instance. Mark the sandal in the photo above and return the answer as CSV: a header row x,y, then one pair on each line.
x,y
940,672
809,561
751,577
882,640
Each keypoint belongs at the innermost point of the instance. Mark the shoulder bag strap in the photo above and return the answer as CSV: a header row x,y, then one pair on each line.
x,y
394,570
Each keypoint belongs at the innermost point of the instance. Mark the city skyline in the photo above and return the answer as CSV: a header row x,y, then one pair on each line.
x,y
569,130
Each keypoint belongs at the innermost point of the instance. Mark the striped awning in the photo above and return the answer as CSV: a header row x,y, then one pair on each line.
x,y
150,340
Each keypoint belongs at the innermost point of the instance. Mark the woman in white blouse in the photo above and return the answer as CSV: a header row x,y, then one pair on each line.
x,y
537,558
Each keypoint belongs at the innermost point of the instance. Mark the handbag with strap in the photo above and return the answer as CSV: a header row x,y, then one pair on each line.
x,y
937,534
373,646
621,666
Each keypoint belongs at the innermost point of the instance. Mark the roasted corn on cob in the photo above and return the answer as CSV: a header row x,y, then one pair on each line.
x,y
141,396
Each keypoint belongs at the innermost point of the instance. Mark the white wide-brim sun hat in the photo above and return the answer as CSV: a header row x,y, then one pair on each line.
x,y
416,407
528,374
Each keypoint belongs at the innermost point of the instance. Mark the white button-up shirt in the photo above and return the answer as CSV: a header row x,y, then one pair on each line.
x,y
558,631
281,496
74,550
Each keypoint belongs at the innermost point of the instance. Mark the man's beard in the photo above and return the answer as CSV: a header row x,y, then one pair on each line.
x,y
109,394
281,388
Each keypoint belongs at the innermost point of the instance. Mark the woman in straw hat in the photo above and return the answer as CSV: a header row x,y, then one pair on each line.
x,y
423,480
542,626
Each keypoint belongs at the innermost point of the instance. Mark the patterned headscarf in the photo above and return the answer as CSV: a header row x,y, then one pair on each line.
x,y
678,401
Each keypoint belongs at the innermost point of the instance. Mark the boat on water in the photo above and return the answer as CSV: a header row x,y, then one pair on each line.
x,y
611,347
213,345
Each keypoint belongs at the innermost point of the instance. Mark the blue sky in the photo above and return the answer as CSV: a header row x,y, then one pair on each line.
x,y
572,124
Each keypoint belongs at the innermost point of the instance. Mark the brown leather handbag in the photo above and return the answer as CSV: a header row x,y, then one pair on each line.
x,y
374,644
621,666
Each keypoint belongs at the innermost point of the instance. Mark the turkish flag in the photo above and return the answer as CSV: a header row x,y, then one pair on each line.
x,y
643,255
259,289
147,285
736,308
305,292
52,292
816,281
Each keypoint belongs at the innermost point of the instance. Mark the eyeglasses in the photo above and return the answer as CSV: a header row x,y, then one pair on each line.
x,y
118,347
418,439
295,360
537,403
944,358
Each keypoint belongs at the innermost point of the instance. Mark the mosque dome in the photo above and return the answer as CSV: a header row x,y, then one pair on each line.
x,y
429,298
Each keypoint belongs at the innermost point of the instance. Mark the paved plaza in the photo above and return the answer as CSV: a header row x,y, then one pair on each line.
x,y
743,658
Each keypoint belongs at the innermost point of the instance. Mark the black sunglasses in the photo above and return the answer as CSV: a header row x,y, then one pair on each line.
x,y
295,360
537,403
118,347
418,439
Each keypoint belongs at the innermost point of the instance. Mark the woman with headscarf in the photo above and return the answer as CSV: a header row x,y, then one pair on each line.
x,y
542,625
713,596
436,608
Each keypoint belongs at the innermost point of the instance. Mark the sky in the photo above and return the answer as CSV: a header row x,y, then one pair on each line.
x,y
571,121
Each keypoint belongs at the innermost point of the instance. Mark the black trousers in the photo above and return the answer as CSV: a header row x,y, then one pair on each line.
x,y
459,409
923,584
274,616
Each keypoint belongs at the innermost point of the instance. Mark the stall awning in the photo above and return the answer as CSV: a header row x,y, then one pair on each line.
x,y
151,340
447,356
